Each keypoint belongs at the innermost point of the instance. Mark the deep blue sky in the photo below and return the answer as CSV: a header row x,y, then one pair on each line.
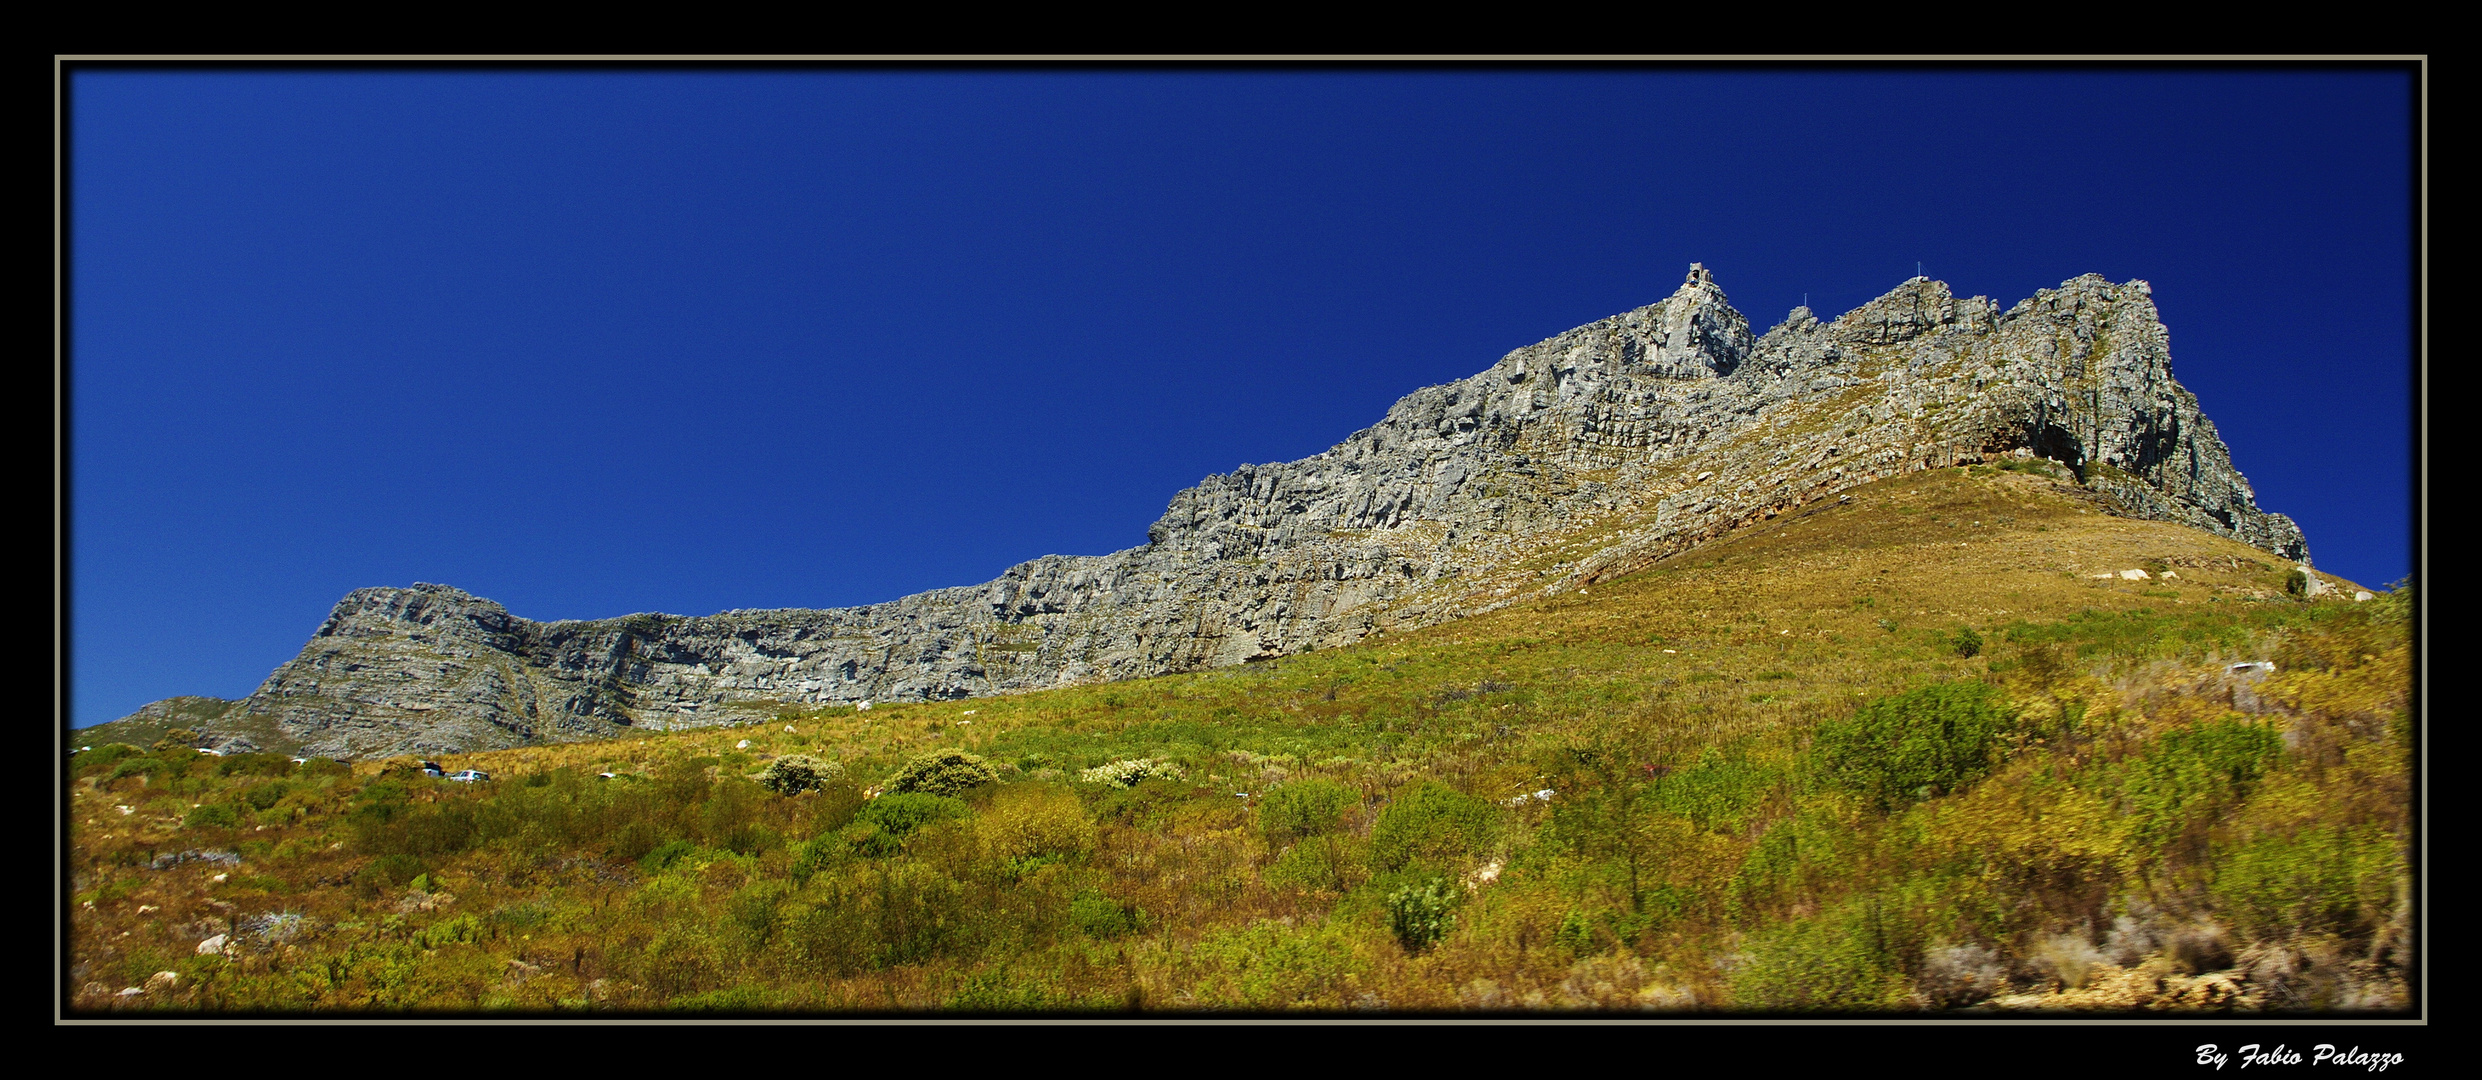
x,y
591,343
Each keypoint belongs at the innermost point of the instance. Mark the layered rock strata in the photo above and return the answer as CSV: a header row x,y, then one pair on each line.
x,y
1591,454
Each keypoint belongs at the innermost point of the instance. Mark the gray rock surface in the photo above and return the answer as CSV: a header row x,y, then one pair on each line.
x,y
1594,453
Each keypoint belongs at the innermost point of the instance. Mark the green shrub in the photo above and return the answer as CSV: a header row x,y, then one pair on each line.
x,y
2037,466
664,856
1145,805
945,772
904,813
1576,933
212,816
829,934
886,821
2194,772
1268,965
1100,916
1322,863
2328,880
631,841
2392,606
1916,745
1840,960
919,913
1431,823
518,917
138,766
1420,915
253,765
814,857
1034,821
91,762
1795,858
750,839
1000,991
834,806
794,774
1722,792
731,999
755,912
731,817
265,795
679,961
382,828
1304,808
384,792
388,871
317,767
1968,643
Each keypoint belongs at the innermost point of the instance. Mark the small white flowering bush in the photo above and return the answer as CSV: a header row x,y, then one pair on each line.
x,y
1130,772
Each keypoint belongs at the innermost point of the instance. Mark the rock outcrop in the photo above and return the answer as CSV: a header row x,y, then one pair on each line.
x,y
1593,453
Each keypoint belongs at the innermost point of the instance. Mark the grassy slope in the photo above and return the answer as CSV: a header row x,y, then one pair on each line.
x,y
1695,854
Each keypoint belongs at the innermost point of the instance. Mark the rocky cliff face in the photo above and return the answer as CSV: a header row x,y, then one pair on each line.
x,y
1570,460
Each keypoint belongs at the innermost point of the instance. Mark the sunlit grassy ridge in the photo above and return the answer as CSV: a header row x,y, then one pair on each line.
x,y
1733,747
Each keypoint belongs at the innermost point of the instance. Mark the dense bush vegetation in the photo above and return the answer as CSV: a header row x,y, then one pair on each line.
x,y
102,758
1714,799
1430,824
947,772
1916,745
794,774
2320,881
1420,915
1841,960
1304,808
885,822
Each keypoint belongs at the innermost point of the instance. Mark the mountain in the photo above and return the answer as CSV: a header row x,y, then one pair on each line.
x,y
1571,461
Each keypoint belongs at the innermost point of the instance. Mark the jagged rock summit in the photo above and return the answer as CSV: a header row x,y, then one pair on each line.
x,y
1668,424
